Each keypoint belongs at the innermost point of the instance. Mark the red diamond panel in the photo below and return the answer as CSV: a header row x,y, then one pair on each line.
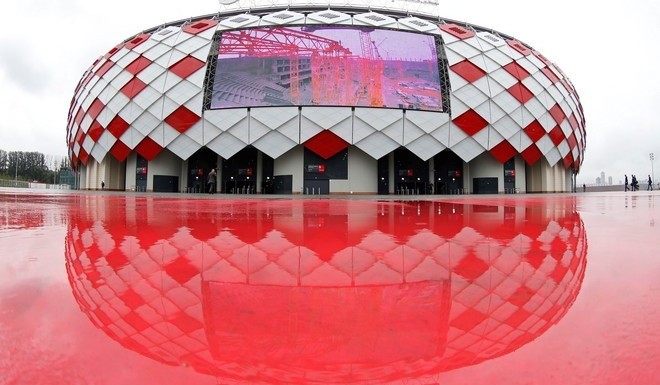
x,y
79,116
186,66
521,296
557,114
138,65
117,126
131,299
137,40
520,92
550,75
573,122
113,50
531,154
135,321
503,151
568,160
520,47
120,151
557,135
535,131
471,267
457,31
80,136
95,109
104,68
182,119
470,122
569,88
516,70
83,156
95,131
468,320
542,58
518,317
468,71
132,88
572,141
199,26
148,148
326,144
181,270
185,322
83,84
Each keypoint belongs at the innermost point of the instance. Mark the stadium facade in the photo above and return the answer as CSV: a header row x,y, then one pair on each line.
x,y
299,97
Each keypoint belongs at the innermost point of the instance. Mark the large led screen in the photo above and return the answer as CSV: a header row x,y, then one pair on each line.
x,y
326,65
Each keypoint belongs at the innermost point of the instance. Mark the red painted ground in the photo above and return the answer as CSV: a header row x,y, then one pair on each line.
x,y
133,289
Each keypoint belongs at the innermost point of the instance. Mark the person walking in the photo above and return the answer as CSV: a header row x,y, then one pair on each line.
x,y
211,181
650,185
625,180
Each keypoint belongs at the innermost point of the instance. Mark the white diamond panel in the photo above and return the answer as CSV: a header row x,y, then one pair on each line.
x,y
328,17
377,145
226,145
282,17
274,144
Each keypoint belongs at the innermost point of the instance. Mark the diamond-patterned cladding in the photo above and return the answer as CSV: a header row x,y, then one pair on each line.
x,y
503,151
468,71
516,70
148,148
551,75
186,66
133,87
457,31
137,40
326,144
535,131
95,109
531,154
138,65
178,52
120,151
521,93
470,122
104,68
200,26
182,119
95,131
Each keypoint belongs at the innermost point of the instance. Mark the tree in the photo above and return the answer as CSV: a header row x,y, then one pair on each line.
x,y
30,166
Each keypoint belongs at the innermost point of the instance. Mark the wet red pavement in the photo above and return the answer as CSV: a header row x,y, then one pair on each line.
x,y
138,289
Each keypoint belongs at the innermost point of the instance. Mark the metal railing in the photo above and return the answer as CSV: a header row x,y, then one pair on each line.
x,y
10,183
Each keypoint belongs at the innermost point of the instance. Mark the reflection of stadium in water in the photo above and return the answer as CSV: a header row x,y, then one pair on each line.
x,y
330,291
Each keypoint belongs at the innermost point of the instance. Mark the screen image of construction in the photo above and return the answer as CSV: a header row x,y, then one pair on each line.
x,y
327,65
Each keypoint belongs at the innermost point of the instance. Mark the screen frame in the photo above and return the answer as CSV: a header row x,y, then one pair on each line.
x,y
441,59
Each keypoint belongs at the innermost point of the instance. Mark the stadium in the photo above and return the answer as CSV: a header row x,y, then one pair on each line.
x,y
299,97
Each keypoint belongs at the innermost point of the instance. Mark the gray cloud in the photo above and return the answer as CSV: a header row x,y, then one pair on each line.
x,y
23,68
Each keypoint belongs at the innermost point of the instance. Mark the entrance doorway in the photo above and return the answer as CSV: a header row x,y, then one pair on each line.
x,y
448,174
239,173
199,165
411,173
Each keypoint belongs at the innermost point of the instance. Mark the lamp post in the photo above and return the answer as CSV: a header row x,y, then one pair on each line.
x,y
16,174
652,157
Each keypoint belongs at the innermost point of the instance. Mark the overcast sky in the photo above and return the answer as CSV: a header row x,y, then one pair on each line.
x,y
609,50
